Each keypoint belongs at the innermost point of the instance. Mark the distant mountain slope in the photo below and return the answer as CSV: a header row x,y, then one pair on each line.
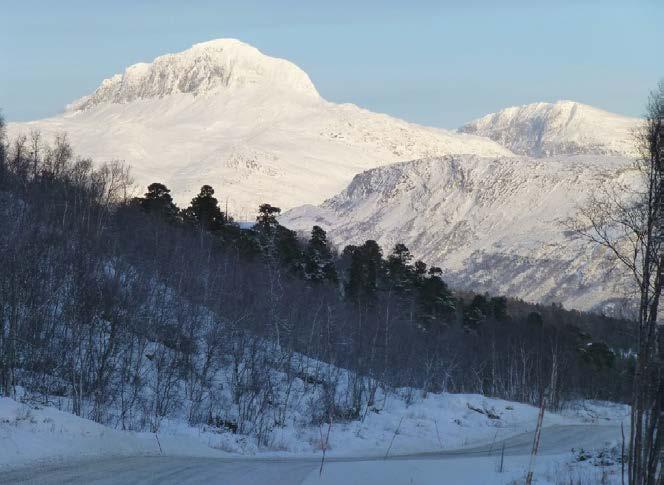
x,y
252,126
562,128
492,224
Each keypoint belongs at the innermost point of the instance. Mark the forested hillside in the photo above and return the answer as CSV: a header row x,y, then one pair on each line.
x,y
131,309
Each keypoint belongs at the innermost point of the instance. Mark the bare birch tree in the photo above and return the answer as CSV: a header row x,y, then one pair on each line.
x,y
629,222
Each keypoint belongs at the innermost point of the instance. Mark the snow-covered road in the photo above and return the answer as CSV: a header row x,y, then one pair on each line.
x,y
448,466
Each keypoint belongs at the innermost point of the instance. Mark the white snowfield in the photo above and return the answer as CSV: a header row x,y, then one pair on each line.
x,y
492,224
42,445
562,128
252,126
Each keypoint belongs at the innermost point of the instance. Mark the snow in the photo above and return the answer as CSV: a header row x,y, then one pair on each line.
x,y
438,422
561,128
204,68
255,128
492,224
31,434
549,470
252,126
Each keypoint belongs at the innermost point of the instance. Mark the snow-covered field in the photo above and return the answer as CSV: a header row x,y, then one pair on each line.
x,y
32,434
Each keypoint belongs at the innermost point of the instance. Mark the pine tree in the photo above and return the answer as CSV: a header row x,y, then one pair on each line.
x,y
598,355
205,212
158,201
366,268
267,217
319,263
276,241
288,248
399,271
499,308
435,300
475,313
420,271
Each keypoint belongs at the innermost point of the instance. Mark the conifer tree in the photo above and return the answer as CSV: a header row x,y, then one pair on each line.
x,y
476,312
419,270
276,241
366,267
436,302
499,308
158,201
205,212
319,263
400,273
267,217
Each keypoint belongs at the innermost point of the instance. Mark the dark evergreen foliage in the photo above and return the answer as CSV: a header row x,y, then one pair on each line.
x,y
366,267
204,211
158,201
319,261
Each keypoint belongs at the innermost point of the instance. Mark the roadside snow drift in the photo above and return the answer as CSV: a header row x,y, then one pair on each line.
x,y
34,434
39,434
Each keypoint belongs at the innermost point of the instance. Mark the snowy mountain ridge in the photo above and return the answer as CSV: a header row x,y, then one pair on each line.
x,y
492,224
254,127
203,69
561,128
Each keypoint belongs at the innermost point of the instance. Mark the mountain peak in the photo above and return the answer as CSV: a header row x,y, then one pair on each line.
x,y
561,128
206,67
222,43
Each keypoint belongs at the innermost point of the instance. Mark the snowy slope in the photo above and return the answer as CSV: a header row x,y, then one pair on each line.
x,y
36,434
252,126
493,224
562,128
31,434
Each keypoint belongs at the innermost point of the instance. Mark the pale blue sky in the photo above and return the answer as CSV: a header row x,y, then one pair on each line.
x,y
434,62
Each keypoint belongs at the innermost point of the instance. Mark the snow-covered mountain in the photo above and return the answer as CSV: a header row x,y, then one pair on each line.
x,y
493,224
252,126
562,128
255,128
224,64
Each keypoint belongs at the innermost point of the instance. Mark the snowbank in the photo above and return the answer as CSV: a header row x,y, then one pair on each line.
x,y
35,434
439,422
